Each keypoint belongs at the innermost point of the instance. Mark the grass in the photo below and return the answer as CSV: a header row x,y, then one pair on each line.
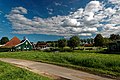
x,y
104,64
9,72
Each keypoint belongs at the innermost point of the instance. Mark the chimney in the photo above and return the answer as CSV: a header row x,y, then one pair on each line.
x,y
24,38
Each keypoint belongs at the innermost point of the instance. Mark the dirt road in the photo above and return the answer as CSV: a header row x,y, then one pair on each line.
x,y
53,70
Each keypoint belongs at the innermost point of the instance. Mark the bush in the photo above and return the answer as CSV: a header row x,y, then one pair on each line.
x,y
88,48
52,50
4,49
58,50
66,50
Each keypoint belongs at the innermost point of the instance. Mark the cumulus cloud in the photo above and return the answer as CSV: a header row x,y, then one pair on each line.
x,y
71,22
114,1
85,34
93,19
19,10
93,6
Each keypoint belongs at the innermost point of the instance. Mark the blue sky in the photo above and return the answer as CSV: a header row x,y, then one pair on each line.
x,y
54,19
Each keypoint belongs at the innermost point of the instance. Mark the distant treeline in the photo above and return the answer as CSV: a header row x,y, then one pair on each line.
x,y
74,41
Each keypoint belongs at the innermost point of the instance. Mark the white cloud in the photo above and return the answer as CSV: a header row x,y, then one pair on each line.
x,y
0,11
93,6
57,4
85,34
114,1
83,22
71,22
19,10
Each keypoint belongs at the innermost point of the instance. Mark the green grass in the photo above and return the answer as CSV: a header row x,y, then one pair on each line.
x,y
9,72
105,64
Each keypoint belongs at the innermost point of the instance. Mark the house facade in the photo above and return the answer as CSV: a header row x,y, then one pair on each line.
x,y
25,45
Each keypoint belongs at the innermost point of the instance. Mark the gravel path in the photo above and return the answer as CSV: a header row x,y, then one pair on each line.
x,y
53,71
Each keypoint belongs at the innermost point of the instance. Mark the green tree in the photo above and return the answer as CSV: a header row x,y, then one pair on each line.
x,y
52,44
4,40
74,42
88,41
106,41
114,37
99,40
62,43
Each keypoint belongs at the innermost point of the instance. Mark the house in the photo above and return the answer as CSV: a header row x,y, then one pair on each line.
x,y
41,46
114,46
15,44
25,44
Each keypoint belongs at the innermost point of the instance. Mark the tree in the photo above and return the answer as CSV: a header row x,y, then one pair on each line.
x,y
52,44
114,37
62,43
99,40
84,40
4,40
106,41
91,40
88,41
74,42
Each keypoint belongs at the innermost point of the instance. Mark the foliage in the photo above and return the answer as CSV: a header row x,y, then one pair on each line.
x,y
99,40
107,63
54,44
4,40
4,49
9,72
74,42
106,41
88,40
114,37
62,43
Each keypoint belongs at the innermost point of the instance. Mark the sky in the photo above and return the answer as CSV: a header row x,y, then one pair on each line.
x,y
45,20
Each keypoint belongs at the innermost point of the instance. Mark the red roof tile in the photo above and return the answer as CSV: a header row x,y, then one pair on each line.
x,y
14,41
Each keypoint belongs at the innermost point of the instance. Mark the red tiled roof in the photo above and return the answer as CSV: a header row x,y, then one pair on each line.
x,y
14,41
41,44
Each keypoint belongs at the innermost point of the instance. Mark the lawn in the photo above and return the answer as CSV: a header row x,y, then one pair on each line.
x,y
103,64
10,72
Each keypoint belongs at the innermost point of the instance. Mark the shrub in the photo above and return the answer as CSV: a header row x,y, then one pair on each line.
x,y
5,49
66,50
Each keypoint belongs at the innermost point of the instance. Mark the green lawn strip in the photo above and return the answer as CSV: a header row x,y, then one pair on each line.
x,y
10,72
101,64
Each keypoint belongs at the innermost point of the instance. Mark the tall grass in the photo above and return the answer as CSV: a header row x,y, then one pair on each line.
x,y
107,63
9,72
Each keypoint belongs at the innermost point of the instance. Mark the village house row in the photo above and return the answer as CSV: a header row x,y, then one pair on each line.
x,y
15,44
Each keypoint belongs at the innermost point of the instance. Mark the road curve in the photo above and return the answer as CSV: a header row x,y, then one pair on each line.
x,y
53,70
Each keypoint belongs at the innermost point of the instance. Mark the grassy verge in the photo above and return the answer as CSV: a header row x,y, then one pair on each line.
x,y
102,64
9,72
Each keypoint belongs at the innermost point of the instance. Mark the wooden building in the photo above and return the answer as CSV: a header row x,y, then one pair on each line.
x,y
41,46
16,45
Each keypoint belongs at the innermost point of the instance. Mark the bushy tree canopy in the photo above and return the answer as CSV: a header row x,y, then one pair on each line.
x,y
114,37
74,42
4,40
99,40
62,43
